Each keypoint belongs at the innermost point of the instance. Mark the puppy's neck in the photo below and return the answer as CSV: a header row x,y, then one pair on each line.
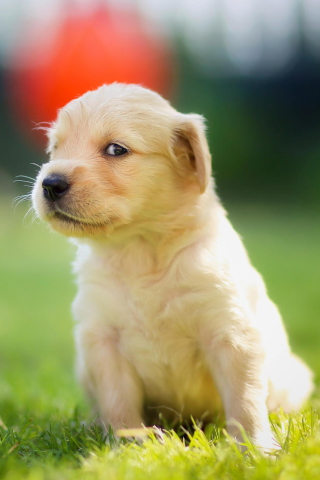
x,y
151,245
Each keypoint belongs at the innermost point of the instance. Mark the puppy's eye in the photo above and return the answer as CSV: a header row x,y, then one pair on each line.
x,y
115,150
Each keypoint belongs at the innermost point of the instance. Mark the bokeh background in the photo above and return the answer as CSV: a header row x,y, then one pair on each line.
x,y
251,67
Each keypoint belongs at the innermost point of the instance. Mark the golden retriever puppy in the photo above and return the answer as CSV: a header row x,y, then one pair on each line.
x,y
171,316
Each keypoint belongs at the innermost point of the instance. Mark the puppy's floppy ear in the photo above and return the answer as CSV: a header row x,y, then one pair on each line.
x,y
190,144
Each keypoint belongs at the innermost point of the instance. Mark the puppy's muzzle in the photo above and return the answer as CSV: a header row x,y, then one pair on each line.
x,y
54,187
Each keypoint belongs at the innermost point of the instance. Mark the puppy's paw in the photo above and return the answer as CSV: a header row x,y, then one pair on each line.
x,y
266,442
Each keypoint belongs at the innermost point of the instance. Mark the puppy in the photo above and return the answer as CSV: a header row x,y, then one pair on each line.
x,y
171,316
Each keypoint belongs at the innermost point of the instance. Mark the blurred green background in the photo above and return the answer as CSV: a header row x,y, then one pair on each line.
x,y
252,71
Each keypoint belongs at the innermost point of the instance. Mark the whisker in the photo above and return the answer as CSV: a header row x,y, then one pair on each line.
x,y
20,199
18,203
36,165
26,176
29,212
27,182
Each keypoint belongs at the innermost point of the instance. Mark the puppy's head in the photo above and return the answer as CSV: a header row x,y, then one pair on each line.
x,y
119,155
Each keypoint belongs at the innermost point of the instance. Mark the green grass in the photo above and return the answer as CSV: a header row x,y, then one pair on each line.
x,y
46,428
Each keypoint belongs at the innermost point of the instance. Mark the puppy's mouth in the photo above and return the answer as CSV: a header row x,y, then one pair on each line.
x,y
74,220
68,218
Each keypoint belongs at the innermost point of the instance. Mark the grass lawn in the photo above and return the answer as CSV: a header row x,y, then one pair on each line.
x,y
46,429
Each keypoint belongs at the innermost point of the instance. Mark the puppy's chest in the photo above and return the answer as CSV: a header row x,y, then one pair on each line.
x,y
156,316
158,323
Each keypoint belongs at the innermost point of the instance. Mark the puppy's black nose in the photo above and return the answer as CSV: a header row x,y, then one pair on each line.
x,y
54,187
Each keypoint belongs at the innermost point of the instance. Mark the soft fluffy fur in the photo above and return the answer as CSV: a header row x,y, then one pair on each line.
x,y
170,314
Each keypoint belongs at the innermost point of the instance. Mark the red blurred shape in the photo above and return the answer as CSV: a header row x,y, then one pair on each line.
x,y
51,67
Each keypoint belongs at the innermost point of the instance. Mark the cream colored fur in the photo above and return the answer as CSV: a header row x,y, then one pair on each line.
x,y
170,314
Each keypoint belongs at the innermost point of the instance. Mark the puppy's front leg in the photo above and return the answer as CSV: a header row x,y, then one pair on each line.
x,y
109,378
237,367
